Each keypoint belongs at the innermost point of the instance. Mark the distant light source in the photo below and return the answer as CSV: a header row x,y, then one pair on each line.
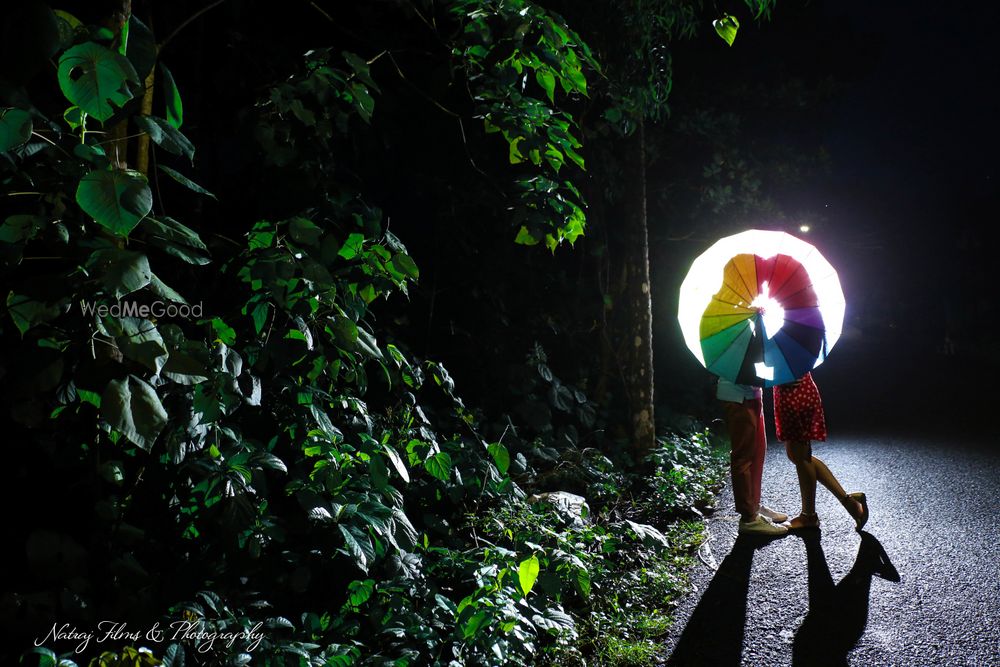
x,y
804,228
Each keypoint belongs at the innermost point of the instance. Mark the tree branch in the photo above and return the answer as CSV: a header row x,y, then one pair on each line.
x,y
187,22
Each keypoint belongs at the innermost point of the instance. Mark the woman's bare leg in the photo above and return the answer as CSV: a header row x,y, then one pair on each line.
x,y
800,453
827,479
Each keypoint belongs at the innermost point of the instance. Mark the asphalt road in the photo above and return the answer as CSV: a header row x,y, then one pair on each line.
x,y
920,587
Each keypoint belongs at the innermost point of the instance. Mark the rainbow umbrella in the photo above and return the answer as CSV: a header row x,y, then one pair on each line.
x,y
761,308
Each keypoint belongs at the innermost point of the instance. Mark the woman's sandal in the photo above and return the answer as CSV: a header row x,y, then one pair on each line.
x,y
813,517
863,501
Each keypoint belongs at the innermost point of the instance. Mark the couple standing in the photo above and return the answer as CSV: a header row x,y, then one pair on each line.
x,y
799,419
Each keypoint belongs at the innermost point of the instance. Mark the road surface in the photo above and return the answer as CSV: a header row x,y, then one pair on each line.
x,y
920,587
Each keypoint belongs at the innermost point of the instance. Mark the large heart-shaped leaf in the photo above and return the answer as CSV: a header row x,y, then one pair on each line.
x,y
121,272
15,128
132,407
139,340
117,200
188,361
439,466
727,27
96,79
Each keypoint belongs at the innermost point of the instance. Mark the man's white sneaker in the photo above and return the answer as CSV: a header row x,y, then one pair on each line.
x,y
761,526
768,513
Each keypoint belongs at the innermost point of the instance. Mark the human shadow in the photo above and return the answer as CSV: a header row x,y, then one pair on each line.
x,y
838,614
714,633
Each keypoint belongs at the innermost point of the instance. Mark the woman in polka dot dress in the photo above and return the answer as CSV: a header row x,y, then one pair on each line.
x,y
798,418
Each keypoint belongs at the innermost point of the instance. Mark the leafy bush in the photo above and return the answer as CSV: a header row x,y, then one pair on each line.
x,y
278,471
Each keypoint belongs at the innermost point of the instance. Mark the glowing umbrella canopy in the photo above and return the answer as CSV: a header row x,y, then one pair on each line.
x,y
761,308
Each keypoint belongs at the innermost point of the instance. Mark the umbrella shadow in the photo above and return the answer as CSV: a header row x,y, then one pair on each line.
x,y
714,634
838,613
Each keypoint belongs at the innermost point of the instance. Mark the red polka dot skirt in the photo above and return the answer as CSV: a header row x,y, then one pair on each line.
x,y
798,412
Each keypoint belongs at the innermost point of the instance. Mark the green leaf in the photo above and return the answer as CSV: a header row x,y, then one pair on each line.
x,y
69,27
173,656
554,621
19,228
175,239
165,135
132,407
397,462
92,154
141,50
360,548
139,340
74,117
527,574
188,359
368,344
259,316
15,128
473,625
524,237
172,98
117,200
164,291
121,271
223,332
500,456
89,397
547,80
352,246
405,265
359,592
47,657
583,582
726,27
513,153
96,79
304,231
345,332
439,466
27,312
576,78
363,102
360,67
185,181
379,473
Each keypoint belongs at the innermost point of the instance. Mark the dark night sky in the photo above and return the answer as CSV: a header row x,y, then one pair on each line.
x,y
913,143
921,125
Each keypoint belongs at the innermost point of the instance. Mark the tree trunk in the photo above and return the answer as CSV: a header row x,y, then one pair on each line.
x,y
636,323
142,142
622,272
116,143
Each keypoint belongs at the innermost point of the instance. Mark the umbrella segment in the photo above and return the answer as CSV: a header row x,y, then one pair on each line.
x,y
764,325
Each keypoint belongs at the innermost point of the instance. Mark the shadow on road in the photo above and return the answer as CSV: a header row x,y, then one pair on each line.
x,y
838,614
836,619
714,633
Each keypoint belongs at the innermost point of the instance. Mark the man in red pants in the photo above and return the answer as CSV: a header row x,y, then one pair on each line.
x,y
745,419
